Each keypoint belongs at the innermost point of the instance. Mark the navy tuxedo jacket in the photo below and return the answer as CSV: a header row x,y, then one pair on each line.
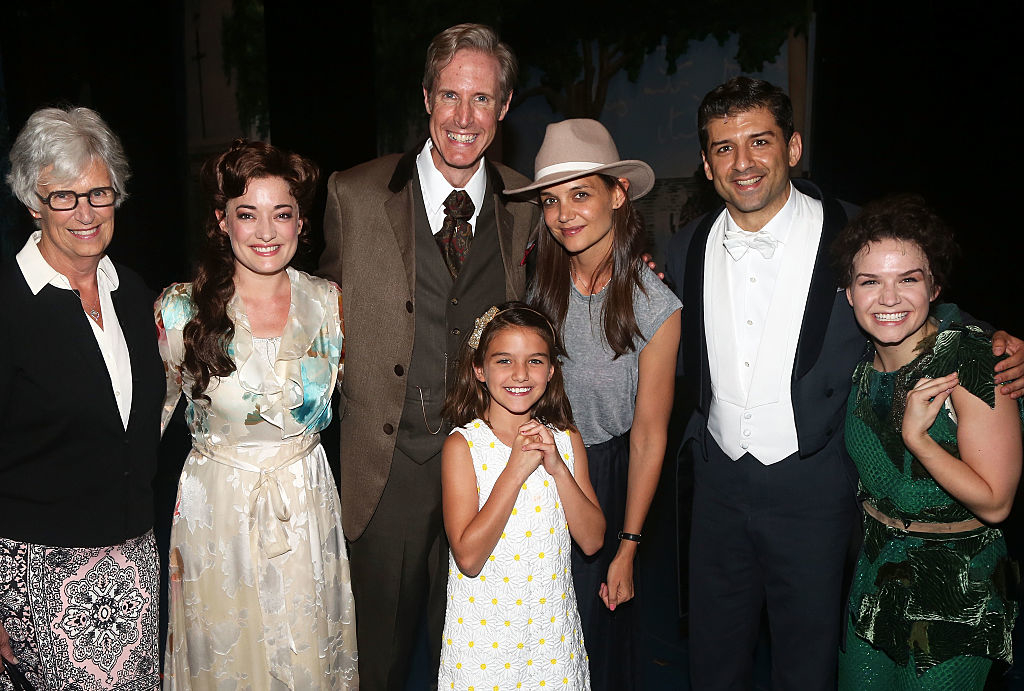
x,y
830,341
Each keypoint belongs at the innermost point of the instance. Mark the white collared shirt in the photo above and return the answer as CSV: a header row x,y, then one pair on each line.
x,y
38,274
753,311
752,280
436,189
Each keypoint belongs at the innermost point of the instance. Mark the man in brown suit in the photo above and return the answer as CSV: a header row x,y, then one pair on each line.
x,y
412,290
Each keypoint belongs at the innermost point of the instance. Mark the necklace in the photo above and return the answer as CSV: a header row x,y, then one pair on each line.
x,y
586,286
93,312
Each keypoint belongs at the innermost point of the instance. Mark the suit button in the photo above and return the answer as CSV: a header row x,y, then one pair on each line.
x,y
828,431
455,301
408,306
455,331
829,392
399,370
388,428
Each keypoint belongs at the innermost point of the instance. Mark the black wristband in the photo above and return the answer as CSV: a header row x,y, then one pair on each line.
x,y
635,537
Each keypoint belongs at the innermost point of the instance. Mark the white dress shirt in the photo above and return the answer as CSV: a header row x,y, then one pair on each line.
x,y
436,189
110,338
753,311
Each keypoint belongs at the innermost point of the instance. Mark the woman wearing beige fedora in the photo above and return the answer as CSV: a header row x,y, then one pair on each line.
x,y
621,330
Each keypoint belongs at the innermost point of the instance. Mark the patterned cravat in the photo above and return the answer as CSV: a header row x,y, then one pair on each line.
x,y
737,242
456,234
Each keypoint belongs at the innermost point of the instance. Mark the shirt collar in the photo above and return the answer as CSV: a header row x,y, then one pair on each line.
x,y
38,273
436,189
779,225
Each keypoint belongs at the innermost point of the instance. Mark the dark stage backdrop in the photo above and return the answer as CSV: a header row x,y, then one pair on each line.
x,y
916,97
906,98
320,87
128,65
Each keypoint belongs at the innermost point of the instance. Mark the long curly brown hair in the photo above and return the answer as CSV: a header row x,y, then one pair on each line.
x,y
551,294
224,177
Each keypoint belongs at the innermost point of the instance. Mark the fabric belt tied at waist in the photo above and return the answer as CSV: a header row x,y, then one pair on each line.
x,y
920,527
267,508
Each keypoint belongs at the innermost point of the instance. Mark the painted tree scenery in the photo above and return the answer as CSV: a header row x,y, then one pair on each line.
x,y
568,52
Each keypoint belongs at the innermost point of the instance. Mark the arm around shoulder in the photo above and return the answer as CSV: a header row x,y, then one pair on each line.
x,y
1010,370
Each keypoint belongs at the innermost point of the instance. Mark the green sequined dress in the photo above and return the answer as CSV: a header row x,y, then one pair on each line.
x,y
926,611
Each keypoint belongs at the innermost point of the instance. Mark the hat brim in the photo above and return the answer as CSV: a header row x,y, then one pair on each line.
x,y
639,174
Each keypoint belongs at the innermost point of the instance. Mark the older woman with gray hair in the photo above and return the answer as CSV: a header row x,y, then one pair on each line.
x,y
81,384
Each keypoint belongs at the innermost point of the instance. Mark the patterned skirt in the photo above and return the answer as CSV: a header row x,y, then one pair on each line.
x,y
82,618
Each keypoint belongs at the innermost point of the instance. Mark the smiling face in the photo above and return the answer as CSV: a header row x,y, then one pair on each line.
x,y
74,241
516,369
749,160
891,294
464,109
579,214
263,225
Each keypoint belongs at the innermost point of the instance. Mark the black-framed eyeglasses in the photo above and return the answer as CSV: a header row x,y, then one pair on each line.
x,y
66,200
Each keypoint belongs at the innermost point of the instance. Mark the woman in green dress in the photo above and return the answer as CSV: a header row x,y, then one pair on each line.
x,y
939,455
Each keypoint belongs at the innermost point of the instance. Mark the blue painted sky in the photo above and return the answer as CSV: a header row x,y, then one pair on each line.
x,y
654,119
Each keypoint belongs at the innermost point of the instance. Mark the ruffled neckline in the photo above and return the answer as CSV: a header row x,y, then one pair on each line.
x,y
277,387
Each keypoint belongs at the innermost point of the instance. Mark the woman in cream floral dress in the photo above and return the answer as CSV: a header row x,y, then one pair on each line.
x,y
259,579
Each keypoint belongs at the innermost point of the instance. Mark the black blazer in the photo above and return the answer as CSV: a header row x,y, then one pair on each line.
x,y
70,474
830,341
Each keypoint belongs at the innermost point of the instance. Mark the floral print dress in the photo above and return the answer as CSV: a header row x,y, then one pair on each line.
x,y
260,594
515,624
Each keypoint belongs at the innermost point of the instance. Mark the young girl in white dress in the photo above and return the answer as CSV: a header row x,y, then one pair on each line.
x,y
515,489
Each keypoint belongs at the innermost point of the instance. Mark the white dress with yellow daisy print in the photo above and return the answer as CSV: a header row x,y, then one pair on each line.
x,y
515,626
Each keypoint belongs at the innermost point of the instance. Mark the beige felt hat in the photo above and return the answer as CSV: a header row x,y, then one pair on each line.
x,y
576,148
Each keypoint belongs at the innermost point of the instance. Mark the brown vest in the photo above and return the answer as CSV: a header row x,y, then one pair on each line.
x,y
445,312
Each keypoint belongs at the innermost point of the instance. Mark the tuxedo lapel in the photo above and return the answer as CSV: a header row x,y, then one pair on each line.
x,y
822,292
695,354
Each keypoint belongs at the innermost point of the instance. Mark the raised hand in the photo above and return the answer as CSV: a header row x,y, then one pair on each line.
x,y
524,458
924,402
540,439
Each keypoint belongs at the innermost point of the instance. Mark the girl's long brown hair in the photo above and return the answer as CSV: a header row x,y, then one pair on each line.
x,y
468,399
224,177
551,293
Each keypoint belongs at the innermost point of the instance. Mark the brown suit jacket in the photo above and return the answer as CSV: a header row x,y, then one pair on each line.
x,y
370,253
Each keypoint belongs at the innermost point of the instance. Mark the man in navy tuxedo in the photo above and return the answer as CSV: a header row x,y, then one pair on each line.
x,y
769,343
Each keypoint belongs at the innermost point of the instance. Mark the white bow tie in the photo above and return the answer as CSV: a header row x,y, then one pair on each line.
x,y
737,242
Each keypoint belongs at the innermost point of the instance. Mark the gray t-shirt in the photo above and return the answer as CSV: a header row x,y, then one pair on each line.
x,y
602,391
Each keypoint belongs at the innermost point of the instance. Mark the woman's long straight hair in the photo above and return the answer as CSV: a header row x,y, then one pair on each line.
x,y
553,282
